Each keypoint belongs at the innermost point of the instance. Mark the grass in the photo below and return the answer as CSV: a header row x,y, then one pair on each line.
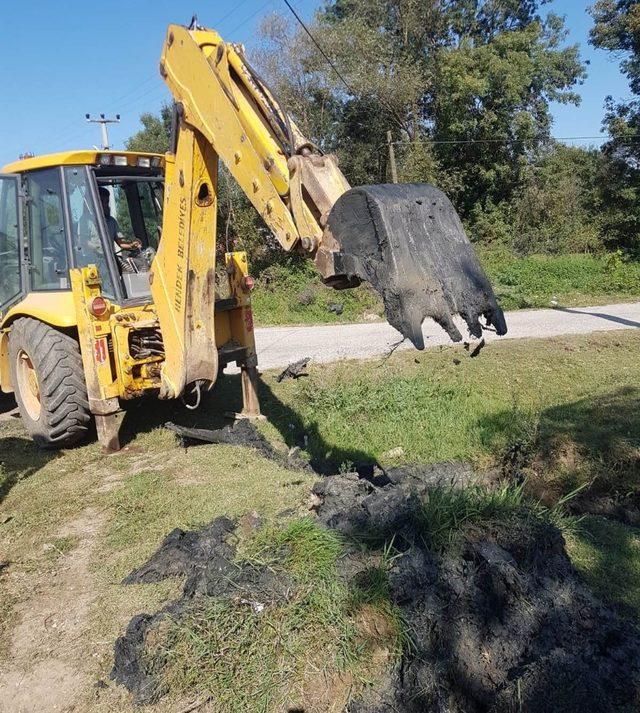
x,y
571,280
607,554
295,295
276,658
517,394
449,512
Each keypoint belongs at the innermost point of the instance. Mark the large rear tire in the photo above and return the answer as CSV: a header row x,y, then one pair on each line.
x,y
48,381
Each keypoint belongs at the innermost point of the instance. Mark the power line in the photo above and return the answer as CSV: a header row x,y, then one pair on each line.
x,y
231,12
317,44
601,137
250,17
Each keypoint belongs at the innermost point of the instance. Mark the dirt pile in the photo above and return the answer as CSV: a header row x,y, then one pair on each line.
x,y
238,433
503,623
206,558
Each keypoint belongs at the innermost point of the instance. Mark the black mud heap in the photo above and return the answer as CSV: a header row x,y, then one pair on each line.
x,y
501,623
407,241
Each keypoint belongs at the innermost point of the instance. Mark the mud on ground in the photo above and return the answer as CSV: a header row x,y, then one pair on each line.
x,y
503,623
500,623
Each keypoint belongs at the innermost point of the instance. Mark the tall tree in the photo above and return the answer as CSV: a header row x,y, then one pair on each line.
x,y
469,82
155,132
617,29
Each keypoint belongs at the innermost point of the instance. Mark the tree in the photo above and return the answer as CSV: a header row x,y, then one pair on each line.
x,y
471,79
155,135
617,29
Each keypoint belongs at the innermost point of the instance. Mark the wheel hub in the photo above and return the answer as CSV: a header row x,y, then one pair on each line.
x,y
28,385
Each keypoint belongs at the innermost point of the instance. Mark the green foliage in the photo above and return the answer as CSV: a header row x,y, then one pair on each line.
x,y
291,292
445,71
537,280
559,206
154,136
440,410
305,550
605,552
465,89
617,29
448,512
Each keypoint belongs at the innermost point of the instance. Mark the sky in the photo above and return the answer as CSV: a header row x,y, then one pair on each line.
x,y
62,59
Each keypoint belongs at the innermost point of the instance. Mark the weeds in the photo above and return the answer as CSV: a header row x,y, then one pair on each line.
x,y
448,512
262,659
572,279
295,294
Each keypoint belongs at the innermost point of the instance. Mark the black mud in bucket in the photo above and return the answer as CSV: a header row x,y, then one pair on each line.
x,y
407,241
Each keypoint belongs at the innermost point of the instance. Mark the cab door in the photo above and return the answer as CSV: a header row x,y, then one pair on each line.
x,y
12,264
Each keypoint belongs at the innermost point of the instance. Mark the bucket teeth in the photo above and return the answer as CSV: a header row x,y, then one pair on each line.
x,y
408,242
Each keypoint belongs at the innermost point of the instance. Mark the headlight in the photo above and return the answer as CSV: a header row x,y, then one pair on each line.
x,y
120,160
144,162
104,159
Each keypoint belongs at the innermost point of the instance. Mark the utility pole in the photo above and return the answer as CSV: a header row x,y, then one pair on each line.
x,y
103,121
392,158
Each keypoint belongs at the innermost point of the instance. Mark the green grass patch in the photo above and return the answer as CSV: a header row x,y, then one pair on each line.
x,y
571,280
279,658
295,294
448,512
302,548
607,554
513,401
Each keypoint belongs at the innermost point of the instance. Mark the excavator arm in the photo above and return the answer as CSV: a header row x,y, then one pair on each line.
x,y
407,241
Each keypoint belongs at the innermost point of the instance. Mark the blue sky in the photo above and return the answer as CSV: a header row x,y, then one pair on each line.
x,y
62,59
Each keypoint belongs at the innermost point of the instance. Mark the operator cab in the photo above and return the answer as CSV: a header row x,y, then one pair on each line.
x,y
65,225
133,223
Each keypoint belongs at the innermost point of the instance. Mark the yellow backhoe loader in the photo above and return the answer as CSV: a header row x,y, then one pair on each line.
x,y
86,324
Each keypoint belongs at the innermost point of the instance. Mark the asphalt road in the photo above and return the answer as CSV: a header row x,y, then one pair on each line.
x,y
279,346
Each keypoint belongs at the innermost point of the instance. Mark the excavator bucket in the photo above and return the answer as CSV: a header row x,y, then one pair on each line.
x,y
407,241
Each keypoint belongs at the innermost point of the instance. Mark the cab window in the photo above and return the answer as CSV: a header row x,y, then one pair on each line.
x,y
138,209
10,278
48,260
85,235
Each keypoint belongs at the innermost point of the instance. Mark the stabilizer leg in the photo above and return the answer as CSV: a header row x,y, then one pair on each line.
x,y
250,400
108,428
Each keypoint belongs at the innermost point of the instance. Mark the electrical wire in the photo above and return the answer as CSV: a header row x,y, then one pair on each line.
x,y
600,137
317,44
250,17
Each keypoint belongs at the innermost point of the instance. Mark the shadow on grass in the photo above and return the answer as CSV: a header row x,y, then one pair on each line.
x,y
607,554
596,438
149,413
20,458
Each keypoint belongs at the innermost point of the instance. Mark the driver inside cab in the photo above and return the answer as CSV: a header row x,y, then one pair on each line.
x,y
113,229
